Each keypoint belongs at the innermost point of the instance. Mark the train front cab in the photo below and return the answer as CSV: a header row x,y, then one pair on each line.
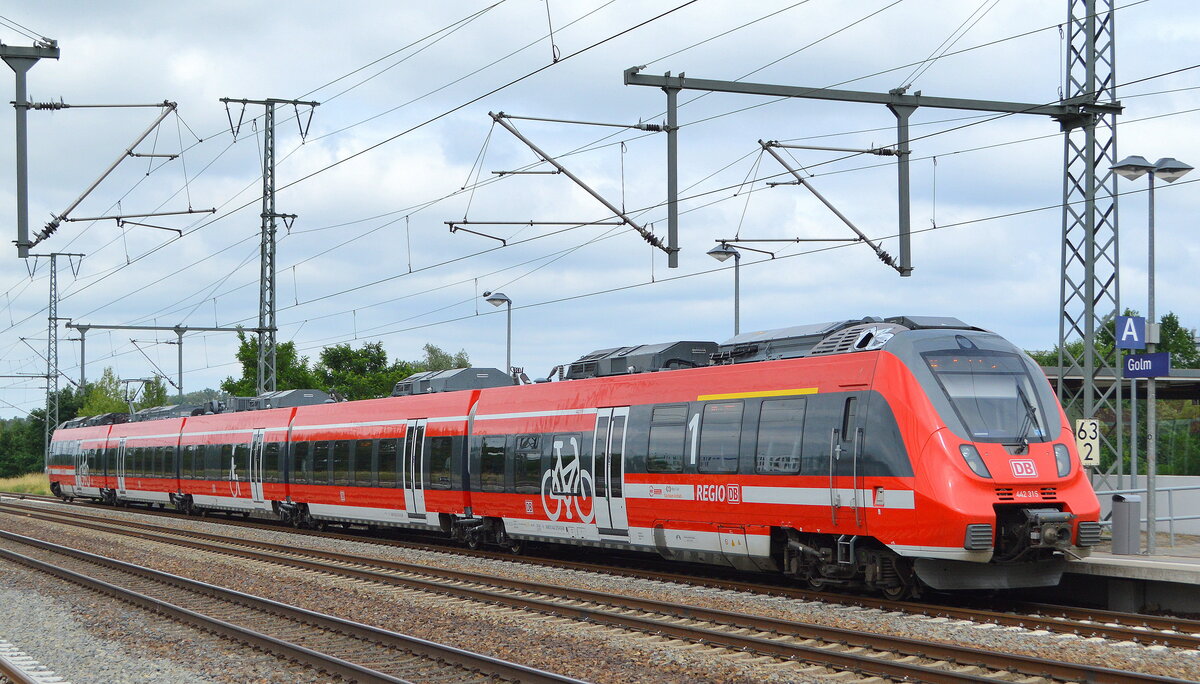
x,y
1001,499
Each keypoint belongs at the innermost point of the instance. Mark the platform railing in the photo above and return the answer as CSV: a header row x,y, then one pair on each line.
x,y
1170,518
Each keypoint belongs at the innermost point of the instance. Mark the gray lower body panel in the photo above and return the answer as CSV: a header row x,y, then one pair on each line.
x,y
950,575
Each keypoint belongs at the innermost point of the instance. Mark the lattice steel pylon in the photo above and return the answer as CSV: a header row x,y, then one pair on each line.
x,y
52,319
267,366
266,281
52,357
1089,292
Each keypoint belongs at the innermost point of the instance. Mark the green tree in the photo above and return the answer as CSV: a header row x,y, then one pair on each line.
x,y
291,369
104,396
438,359
22,440
154,393
1178,340
361,373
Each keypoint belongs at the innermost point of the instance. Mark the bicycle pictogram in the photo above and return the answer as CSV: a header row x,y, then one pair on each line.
x,y
235,484
568,486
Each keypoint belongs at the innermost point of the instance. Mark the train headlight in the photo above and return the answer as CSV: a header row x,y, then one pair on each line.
x,y
1062,459
971,455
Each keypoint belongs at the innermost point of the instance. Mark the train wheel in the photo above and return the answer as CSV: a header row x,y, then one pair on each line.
x,y
515,546
900,593
472,540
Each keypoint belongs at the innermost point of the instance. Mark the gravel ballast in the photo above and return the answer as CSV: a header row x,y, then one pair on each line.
x,y
564,646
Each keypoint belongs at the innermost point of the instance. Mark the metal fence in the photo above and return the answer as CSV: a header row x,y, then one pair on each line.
x,y
1171,518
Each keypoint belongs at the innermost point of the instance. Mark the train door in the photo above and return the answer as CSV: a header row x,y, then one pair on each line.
x,y
414,468
82,472
846,498
239,469
256,466
121,466
608,468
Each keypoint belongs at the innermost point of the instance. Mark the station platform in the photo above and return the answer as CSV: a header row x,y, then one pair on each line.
x,y
1166,581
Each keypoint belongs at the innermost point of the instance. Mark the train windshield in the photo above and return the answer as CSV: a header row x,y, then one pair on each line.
x,y
991,392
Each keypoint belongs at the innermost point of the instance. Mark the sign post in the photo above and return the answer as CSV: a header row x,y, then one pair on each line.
x,y
1087,440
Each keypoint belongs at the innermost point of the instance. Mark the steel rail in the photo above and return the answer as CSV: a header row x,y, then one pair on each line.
x,y
772,644
1179,632
439,653
10,672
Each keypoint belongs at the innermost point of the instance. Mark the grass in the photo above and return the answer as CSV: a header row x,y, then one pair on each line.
x,y
30,483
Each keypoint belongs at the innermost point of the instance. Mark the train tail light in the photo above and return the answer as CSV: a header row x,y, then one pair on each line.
x,y
971,455
1062,459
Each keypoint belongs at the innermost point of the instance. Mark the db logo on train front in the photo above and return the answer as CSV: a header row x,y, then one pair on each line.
x,y
733,493
1023,468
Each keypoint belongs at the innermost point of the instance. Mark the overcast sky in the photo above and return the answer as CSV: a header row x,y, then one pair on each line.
x,y
403,128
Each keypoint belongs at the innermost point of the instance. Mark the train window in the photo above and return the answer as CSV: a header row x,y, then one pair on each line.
x,y
320,459
780,432
226,462
212,461
668,434
720,433
387,462
848,418
365,465
491,464
341,461
270,462
527,464
169,458
615,458
441,453
302,462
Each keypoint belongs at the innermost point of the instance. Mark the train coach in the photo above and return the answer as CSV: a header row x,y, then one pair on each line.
x,y
888,454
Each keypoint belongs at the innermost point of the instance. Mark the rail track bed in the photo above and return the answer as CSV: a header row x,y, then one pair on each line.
x,y
1139,628
331,645
801,645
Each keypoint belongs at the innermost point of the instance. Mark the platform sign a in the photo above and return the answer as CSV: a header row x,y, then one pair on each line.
x,y
1131,332
1087,440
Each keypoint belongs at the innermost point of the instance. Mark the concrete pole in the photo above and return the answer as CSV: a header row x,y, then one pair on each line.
x,y
82,357
21,60
737,294
20,67
672,177
1151,412
179,333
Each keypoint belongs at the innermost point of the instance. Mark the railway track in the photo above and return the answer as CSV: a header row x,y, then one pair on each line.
x,y
17,668
338,647
863,653
1083,622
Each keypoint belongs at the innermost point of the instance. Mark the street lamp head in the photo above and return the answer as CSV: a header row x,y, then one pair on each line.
x,y
1170,169
497,298
1133,167
723,251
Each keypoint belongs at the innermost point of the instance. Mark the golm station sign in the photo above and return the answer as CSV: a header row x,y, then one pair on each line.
x,y
1154,365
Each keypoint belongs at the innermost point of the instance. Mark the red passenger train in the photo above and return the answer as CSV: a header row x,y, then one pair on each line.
x,y
888,454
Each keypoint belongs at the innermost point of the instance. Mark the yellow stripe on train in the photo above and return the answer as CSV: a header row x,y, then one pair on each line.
x,y
766,393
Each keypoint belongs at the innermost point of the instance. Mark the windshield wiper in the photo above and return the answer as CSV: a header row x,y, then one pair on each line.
x,y
1030,420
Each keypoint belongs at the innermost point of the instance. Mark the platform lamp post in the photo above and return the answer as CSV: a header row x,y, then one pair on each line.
x,y
496,299
721,253
1169,170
